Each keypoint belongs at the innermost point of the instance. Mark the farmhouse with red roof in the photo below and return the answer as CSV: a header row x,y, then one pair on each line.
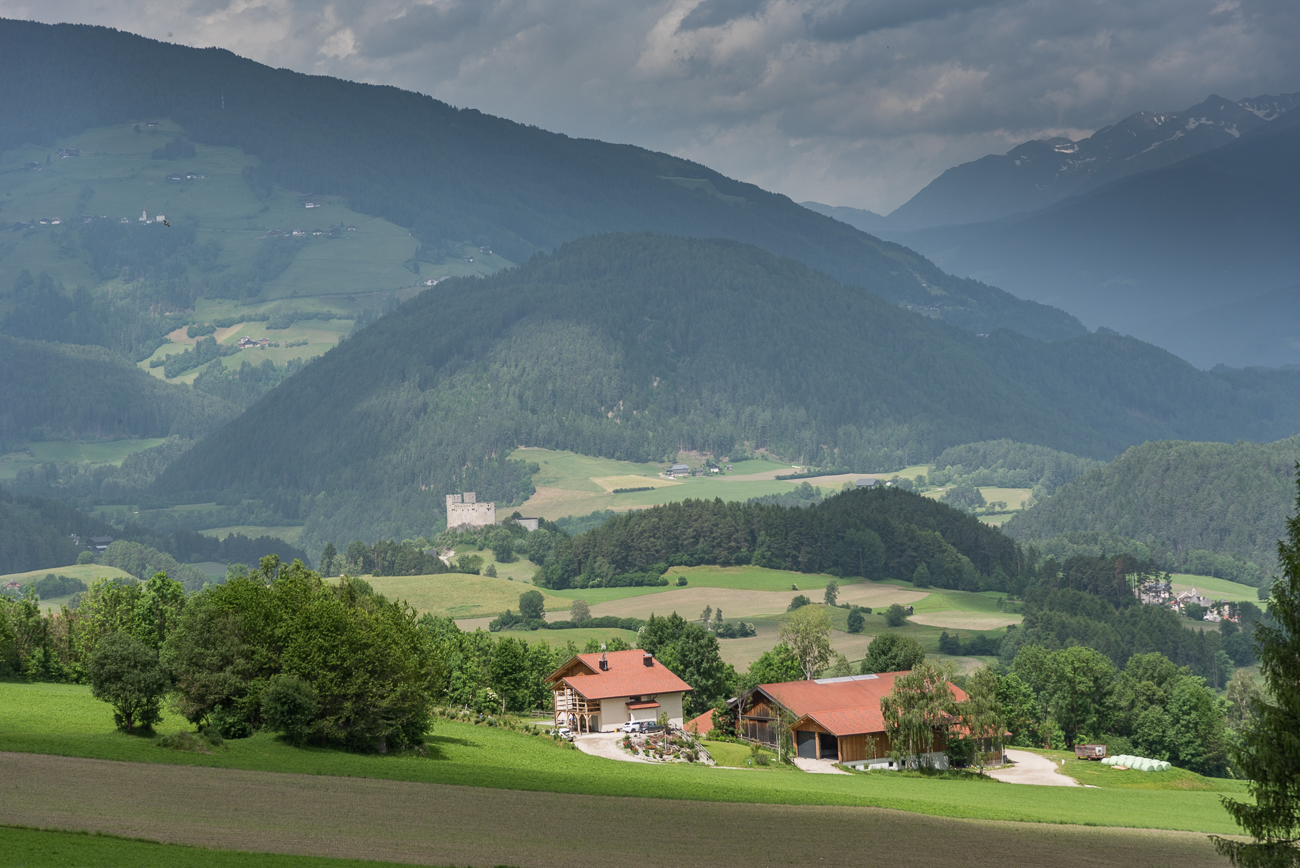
x,y
601,692
834,718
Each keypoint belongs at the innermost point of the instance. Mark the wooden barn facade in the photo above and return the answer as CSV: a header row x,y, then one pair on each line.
x,y
830,718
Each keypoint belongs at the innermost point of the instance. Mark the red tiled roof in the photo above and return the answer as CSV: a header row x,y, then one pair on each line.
x,y
627,676
702,724
637,706
842,707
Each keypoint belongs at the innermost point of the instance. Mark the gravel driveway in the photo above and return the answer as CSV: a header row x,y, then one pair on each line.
x,y
1030,768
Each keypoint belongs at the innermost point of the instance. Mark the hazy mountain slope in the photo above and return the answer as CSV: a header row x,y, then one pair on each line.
x,y
1263,329
634,346
61,390
1228,498
1037,173
859,218
1206,232
452,175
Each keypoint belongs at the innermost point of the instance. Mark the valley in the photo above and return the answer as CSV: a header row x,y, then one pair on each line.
x,y
476,480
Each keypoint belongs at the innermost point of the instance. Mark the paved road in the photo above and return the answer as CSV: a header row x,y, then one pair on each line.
x,y
1030,768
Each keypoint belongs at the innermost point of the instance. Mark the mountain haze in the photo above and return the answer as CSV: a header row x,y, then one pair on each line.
x,y
450,175
1038,173
633,347
1145,252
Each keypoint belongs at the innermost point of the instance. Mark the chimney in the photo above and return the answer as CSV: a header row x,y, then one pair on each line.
x,y
648,660
604,664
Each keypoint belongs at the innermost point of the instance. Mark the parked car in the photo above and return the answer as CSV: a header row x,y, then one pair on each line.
x,y
653,727
565,733
633,726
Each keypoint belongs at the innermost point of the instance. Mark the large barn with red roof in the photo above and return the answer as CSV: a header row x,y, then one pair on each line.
x,y
601,692
834,718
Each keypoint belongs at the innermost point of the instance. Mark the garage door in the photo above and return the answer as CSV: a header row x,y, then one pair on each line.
x,y
806,744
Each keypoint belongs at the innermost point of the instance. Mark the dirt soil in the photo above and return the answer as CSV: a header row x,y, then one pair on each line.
x,y
1030,768
362,818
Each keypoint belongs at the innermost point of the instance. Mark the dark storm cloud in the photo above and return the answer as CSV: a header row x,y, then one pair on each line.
x,y
852,20
420,26
853,102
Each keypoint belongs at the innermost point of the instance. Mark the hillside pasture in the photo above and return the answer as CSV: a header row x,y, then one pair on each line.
x,y
57,451
290,533
1215,589
88,573
484,765
572,484
460,595
966,620
735,603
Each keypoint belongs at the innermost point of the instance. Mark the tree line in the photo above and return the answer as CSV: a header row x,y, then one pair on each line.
x,y
866,533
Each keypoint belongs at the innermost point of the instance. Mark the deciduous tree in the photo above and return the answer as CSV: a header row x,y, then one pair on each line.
x,y
808,633
918,712
124,672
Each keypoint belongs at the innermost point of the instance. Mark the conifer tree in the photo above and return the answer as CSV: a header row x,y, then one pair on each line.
x,y
1269,756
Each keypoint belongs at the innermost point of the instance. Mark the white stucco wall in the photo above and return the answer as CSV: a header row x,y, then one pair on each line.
x,y
614,713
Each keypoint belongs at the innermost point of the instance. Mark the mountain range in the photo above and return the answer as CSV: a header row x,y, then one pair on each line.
x,y
1144,253
450,175
1040,172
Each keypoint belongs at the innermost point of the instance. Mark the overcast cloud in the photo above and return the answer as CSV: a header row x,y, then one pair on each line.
x,y
848,102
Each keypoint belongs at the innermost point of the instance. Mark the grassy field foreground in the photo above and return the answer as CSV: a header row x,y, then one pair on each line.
x,y
64,720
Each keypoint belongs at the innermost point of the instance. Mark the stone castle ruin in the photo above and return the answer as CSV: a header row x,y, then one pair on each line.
x,y
464,510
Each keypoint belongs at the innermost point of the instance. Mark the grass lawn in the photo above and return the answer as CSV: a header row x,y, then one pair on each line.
x,y
737,756
64,720
578,636
32,848
1094,774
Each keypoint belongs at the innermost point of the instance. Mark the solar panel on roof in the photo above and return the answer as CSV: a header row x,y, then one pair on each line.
x,y
845,678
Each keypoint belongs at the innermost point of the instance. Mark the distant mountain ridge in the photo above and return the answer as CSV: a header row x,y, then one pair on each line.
x,y
1147,253
451,175
1038,173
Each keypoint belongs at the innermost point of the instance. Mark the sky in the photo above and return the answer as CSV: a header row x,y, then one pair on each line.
x,y
845,102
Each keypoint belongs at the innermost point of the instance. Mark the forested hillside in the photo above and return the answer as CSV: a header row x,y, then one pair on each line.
x,y
1007,464
451,175
61,390
1178,502
636,346
869,533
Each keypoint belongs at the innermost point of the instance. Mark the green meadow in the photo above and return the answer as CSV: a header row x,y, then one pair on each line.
x,y
1216,589
57,451
64,720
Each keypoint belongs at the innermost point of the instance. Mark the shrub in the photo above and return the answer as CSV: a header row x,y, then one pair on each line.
x,y
798,603
895,615
681,581
290,706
